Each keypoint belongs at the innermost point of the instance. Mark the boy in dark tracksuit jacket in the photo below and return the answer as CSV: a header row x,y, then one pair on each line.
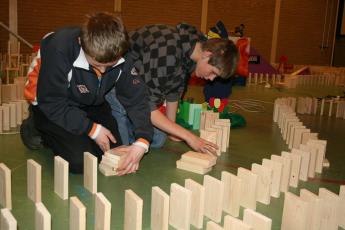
x,y
67,81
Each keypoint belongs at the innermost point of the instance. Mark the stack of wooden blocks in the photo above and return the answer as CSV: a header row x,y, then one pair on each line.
x,y
215,130
12,114
256,78
111,160
196,162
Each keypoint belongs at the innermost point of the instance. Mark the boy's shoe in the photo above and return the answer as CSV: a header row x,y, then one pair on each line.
x,y
30,136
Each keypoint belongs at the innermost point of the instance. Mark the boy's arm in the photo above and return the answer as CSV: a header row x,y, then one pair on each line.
x,y
162,122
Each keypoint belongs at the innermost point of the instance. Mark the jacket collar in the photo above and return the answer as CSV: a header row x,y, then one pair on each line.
x,y
81,61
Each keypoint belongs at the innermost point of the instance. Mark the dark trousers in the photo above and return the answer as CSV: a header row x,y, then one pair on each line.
x,y
72,147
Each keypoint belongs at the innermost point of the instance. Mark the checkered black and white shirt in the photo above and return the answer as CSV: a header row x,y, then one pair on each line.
x,y
163,59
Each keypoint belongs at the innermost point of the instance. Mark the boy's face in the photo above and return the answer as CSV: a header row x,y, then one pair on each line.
x,y
101,67
204,69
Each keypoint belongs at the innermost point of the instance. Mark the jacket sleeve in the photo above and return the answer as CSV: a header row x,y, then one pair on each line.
x,y
52,94
132,93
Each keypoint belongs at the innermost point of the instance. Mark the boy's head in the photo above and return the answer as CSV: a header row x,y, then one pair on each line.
x,y
104,38
219,58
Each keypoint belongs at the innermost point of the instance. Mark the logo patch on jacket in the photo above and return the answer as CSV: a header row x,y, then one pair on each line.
x,y
83,89
134,71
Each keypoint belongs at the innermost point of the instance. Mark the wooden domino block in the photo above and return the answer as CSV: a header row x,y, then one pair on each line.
x,y
77,214
321,147
305,160
34,180
329,210
263,192
102,212
276,168
5,187
308,136
7,220
9,92
218,138
205,160
341,207
256,220
19,112
295,167
225,123
1,118
213,226
90,172
292,134
297,140
198,202
106,170
210,136
42,217
232,193
61,177
202,120
5,117
214,190
13,115
295,213
133,211
192,167
312,161
314,212
289,129
159,209
116,155
232,223
223,137
248,188
286,171
180,206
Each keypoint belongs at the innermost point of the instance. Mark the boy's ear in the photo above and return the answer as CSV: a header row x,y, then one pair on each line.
x,y
206,54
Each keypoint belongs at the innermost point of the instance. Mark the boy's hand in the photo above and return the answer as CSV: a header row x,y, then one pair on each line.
x,y
202,146
132,160
103,138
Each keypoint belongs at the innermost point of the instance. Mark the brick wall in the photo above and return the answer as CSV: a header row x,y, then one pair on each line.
x,y
3,32
300,29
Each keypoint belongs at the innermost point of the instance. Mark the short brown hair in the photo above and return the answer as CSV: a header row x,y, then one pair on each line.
x,y
104,37
224,55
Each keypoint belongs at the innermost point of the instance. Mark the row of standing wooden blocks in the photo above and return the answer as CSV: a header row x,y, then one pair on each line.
x,y
12,114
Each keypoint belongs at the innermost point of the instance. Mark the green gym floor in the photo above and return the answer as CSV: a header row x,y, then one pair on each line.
x,y
259,139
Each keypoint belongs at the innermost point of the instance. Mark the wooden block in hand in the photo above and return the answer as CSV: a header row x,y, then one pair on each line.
x,y
133,211
192,167
34,180
198,202
77,214
218,138
159,209
180,206
90,172
106,170
102,212
214,190
5,187
202,159
61,177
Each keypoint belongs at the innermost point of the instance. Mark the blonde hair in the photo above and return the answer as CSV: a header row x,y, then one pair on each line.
x,y
104,37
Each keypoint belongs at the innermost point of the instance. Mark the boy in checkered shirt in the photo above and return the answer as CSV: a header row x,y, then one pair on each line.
x,y
165,58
